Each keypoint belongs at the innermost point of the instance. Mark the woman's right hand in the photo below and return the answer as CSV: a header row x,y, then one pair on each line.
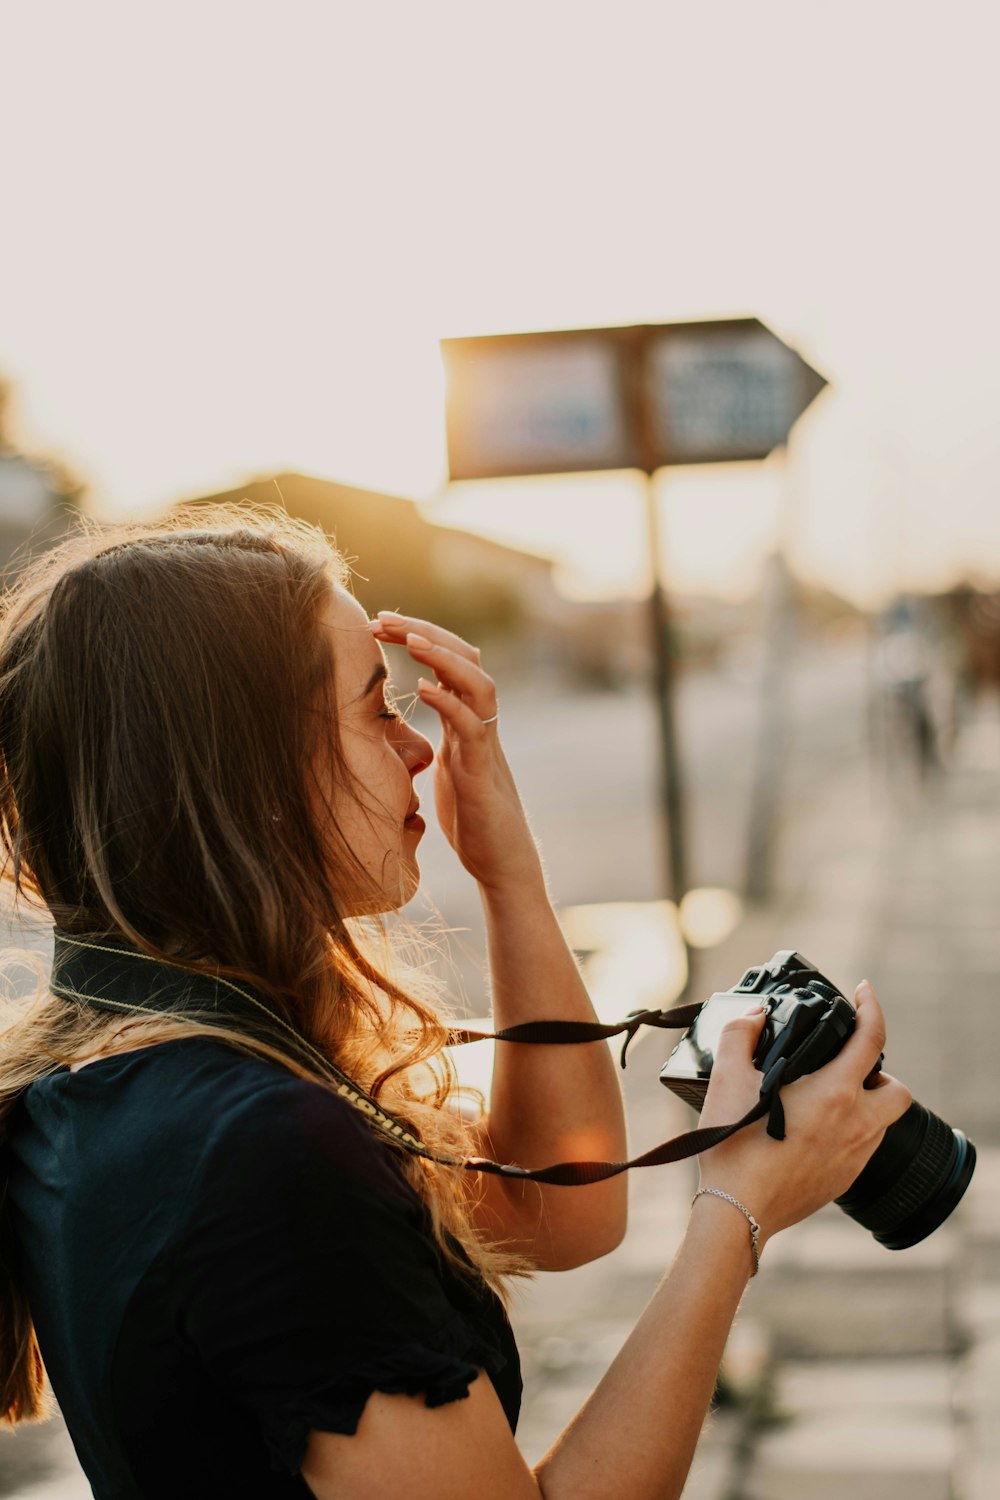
x,y
833,1123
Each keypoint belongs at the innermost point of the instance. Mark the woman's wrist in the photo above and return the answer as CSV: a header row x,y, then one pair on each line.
x,y
717,1223
518,888
741,1208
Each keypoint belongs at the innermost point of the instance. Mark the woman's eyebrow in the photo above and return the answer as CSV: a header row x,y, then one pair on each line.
x,y
380,673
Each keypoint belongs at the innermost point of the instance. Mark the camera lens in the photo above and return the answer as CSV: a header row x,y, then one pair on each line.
x,y
914,1180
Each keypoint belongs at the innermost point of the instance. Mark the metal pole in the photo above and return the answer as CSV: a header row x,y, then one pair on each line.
x,y
664,658
772,728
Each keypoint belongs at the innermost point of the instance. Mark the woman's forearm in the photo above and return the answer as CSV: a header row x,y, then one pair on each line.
x,y
551,1103
636,1435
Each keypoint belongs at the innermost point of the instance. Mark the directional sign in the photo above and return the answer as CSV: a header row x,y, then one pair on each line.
x,y
621,398
724,391
536,404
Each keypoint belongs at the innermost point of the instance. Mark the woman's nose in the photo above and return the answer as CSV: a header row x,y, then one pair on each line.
x,y
416,750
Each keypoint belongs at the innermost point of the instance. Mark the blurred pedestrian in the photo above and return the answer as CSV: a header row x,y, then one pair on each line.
x,y
230,1231
904,675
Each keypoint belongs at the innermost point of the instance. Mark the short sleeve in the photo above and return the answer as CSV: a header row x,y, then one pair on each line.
x,y
309,1278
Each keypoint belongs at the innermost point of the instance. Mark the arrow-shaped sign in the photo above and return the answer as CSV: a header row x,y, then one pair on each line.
x,y
621,398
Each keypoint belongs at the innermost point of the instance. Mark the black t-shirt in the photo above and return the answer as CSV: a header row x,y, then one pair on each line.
x,y
219,1257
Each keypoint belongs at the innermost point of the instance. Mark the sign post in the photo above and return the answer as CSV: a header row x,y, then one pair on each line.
x,y
671,780
646,398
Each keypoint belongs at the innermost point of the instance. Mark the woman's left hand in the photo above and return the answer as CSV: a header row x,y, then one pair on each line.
x,y
477,801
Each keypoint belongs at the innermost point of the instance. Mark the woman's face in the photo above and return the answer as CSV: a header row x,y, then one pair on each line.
x,y
377,812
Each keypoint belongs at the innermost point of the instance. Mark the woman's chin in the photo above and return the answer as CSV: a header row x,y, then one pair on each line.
x,y
410,883
378,903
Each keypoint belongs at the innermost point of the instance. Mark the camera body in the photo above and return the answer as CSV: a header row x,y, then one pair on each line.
x,y
923,1165
807,1021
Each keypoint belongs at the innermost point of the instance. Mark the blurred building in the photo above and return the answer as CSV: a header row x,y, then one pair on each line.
x,y
498,595
35,508
485,591
399,560
36,498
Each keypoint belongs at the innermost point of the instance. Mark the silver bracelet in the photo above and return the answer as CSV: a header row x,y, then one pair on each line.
x,y
754,1226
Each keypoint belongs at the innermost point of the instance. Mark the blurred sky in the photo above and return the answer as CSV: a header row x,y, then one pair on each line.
x,y
233,234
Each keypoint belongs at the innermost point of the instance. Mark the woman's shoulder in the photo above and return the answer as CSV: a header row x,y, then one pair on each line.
x,y
281,1162
230,1115
262,1114
259,1110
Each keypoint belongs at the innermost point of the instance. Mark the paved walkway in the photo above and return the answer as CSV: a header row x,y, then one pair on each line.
x,y
887,1364
857,1372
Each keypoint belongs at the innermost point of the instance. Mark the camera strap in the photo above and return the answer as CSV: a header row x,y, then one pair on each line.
x,y
572,1033
690,1143
104,973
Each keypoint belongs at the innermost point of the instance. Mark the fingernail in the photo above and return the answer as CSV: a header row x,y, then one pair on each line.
x,y
420,641
389,614
865,988
755,1010
424,686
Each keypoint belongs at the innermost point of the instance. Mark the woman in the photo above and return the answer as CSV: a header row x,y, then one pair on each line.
x,y
238,1282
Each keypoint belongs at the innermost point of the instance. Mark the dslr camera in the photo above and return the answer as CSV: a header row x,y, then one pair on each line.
x,y
922,1167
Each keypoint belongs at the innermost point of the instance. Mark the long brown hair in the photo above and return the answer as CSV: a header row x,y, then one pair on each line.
x,y
164,692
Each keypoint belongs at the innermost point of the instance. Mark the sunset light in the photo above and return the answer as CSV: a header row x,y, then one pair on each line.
x,y
242,255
